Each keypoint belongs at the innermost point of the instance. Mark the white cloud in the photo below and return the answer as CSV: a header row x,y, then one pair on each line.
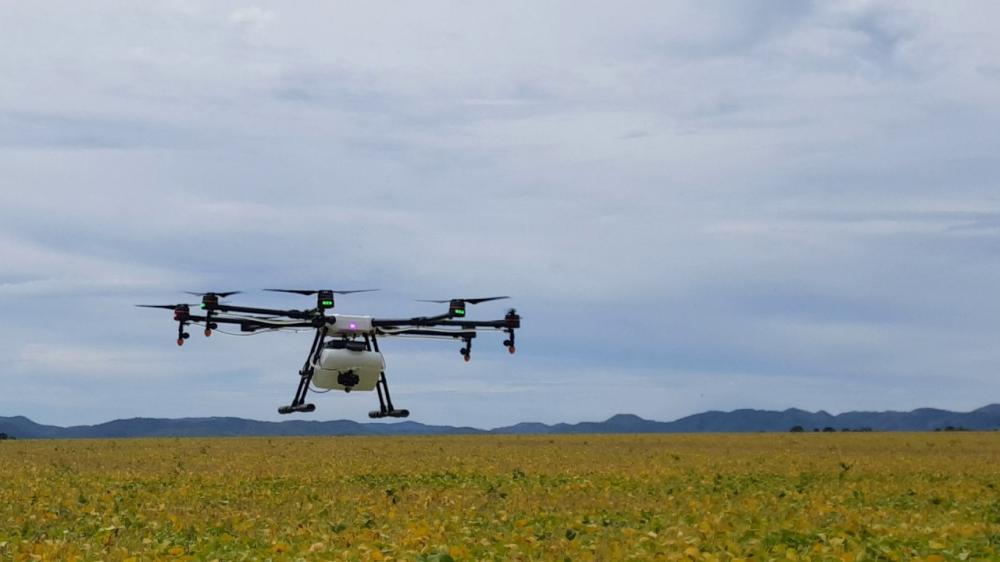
x,y
252,17
795,191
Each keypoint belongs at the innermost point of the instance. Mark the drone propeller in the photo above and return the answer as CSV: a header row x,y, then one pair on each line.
x,y
210,302
469,301
182,314
309,292
456,307
324,297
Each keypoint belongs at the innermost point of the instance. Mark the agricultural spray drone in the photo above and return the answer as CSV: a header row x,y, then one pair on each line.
x,y
345,353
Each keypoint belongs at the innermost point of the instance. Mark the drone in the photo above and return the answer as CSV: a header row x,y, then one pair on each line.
x,y
345,351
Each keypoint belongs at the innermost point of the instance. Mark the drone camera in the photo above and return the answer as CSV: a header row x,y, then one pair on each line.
x,y
324,300
348,379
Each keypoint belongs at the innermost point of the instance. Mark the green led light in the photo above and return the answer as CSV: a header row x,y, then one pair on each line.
x,y
327,303
203,306
459,312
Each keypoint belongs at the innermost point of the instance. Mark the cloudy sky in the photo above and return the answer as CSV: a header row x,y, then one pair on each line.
x,y
696,205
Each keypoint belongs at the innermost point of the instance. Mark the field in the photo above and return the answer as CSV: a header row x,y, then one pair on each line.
x,y
672,497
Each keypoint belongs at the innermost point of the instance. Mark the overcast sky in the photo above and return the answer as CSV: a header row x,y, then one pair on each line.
x,y
695,205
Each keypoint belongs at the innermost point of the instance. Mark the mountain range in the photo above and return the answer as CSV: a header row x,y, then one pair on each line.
x,y
736,421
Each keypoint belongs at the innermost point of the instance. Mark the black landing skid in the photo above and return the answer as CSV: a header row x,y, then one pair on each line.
x,y
385,407
305,377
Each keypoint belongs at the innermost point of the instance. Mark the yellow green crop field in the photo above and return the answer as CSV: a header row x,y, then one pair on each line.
x,y
874,496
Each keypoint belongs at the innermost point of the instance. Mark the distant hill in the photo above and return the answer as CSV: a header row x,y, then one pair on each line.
x,y
737,421
23,428
741,421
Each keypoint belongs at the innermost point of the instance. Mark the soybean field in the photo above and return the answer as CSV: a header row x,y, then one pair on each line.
x,y
839,496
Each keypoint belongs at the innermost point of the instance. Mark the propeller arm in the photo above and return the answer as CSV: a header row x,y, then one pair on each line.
x,y
297,314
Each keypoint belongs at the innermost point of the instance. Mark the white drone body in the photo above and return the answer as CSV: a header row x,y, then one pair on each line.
x,y
349,325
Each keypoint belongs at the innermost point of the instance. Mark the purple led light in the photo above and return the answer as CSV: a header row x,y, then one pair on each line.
x,y
353,326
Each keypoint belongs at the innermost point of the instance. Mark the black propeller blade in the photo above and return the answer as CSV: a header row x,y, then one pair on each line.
x,y
324,297
305,292
216,294
309,292
469,301
477,301
164,306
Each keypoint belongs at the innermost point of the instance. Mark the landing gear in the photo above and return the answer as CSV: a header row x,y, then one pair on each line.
x,y
386,409
346,379
304,408
377,414
305,377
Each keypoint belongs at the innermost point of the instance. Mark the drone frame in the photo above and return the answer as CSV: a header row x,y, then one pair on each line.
x,y
449,325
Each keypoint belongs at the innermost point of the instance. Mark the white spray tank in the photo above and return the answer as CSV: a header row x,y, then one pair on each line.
x,y
351,367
